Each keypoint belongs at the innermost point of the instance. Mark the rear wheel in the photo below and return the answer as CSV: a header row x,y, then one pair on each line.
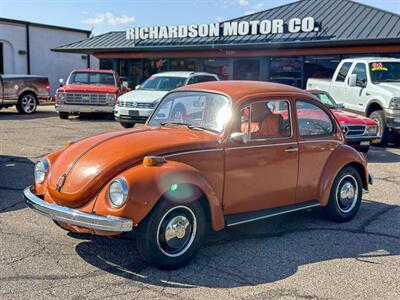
x,y
379,117
170,236
127,125
27,103
63,115
345,196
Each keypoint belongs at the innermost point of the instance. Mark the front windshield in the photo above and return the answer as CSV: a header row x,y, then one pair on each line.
x,y
197,110
385,72
91,78
162,83
326,99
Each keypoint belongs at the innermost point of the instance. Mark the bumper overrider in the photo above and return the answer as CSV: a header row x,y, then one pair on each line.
x,y
75,217
393,119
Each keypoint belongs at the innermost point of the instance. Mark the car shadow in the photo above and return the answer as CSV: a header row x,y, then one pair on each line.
x,y
255,253
12,114
16,173
383,155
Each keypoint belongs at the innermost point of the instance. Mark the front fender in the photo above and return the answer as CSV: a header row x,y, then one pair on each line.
x,y
342,156
147,185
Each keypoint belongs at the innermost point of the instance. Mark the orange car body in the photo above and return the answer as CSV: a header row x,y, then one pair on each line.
x,y
233,177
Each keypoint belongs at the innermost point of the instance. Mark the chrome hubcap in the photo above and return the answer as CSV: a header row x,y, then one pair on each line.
x,y
347,193
28,104
176,231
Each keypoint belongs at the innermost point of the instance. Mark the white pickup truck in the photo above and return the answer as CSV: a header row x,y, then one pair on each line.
x,y
368,86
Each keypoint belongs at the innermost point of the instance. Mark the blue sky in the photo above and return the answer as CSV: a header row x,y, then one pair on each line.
x,y
103,16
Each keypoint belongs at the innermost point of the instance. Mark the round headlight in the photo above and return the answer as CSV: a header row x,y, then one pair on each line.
x,y
41,170
111,99
60,96
118,192
371,130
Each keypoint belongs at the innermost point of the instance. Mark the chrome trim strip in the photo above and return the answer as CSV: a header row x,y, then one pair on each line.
x,y
320,141
273,215
261,146
76,217
190,152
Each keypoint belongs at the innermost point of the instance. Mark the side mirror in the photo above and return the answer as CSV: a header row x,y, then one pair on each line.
x,y
340,105
353,80
137,87
61,81
125,84
239,137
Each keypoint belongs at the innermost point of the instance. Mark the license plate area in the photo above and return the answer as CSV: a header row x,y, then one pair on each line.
x,y
365,143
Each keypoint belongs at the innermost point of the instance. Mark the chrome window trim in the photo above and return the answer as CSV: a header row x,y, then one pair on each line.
x,y
321,141
261,146
191,152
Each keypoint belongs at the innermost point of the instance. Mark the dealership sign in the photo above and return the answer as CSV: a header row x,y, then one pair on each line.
x,y
226,29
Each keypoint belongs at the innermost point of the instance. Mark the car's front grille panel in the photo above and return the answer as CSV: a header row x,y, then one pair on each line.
x,y
353,130
86,99
135,104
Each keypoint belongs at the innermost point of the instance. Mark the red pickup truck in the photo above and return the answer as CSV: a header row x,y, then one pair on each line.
x,y
89,91
360,132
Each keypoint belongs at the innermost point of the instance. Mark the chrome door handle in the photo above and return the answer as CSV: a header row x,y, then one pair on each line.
x,y
292,149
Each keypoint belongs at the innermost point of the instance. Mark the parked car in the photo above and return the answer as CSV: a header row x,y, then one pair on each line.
x,y
371,87
136,106
23,91
89,91
360,132
234,160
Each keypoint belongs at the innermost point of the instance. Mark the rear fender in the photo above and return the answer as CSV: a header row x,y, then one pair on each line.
x,y
343,155
148,185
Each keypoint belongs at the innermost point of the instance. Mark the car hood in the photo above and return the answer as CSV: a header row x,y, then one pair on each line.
x,y
345,117
143,96
84,167
88,88
391,87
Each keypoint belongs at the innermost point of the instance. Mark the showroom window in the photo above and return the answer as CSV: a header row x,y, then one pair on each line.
x,y
182,64
287,70
264,120
154,66
218,66
1,59
312,120
246,69
320,66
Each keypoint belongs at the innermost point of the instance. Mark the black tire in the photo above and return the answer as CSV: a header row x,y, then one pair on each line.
x,y
63,115
345,197
27,103
151,243
127,125
383,131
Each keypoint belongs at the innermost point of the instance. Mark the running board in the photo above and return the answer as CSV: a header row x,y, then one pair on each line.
x,y
237,219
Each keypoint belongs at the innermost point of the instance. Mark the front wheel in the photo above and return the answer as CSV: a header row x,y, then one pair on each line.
x,y
345,196
63,115
27,103
171,235
127,125
379,117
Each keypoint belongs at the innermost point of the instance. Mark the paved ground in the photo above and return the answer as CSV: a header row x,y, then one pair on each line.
x,y
301,255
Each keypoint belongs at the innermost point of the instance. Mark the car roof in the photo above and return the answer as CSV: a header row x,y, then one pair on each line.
x,y
184,74
240,90
371,59
93,70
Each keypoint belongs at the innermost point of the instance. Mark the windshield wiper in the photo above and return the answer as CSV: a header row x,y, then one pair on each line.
x,y
175,123
190,126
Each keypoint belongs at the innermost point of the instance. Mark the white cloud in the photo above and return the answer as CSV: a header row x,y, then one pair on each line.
x,y
244,2
249,12
109,19
258,5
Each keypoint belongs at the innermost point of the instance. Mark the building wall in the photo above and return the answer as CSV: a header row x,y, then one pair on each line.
x,y
13,38
43,61
52,64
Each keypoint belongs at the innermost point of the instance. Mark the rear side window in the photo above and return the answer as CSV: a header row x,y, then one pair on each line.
x,y
203,78
313,121
344,70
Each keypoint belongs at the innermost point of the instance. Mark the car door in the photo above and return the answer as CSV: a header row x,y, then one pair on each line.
x,y
317,140
261,173
357,99
338,84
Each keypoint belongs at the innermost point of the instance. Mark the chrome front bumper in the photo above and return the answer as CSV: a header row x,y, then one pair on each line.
x,y
83,108
76,217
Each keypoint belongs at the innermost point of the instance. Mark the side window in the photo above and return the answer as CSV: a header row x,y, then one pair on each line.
x,y
206,78
344,70
267,120
312,120
194,79
361,71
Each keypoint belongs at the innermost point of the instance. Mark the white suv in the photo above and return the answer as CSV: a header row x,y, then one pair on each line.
x,y
136,106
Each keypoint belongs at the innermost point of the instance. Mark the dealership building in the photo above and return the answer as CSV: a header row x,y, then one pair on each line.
x,y
286,44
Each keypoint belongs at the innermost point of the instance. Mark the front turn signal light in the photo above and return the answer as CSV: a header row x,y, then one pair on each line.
x,y
150,161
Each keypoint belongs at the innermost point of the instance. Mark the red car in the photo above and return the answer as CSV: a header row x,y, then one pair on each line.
x,y
89,91
360,132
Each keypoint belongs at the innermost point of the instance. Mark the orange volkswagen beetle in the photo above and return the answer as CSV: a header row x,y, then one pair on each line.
x,y
224,153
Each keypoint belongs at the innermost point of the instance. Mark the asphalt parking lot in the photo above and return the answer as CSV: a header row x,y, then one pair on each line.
x,y
301,255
